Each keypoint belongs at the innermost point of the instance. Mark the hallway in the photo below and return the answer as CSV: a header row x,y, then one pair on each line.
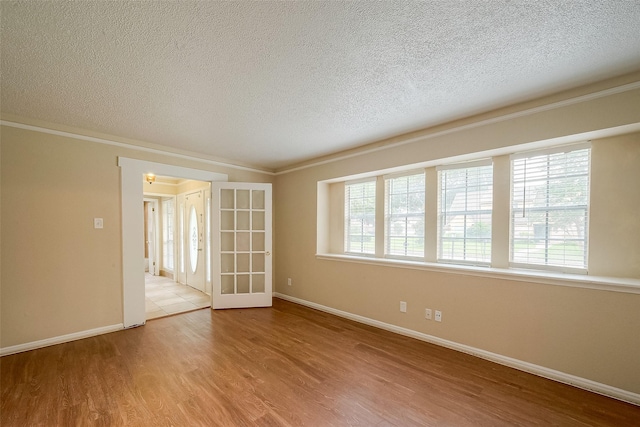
x,y
164,297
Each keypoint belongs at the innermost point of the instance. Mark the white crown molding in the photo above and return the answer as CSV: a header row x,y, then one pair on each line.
x,y
359,152
527,112
129,146
5,351
541,371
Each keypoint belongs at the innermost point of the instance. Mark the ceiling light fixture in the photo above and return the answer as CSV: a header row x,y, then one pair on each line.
x,y
151,178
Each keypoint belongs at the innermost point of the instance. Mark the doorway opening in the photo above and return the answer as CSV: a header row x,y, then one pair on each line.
x,y
132,189
176,245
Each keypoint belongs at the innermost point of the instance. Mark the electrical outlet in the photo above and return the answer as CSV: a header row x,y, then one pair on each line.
x,y
289,281
403,306
427,313
98,223
438,316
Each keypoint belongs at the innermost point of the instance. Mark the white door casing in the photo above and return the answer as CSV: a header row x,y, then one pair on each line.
x,y
241,239
131,191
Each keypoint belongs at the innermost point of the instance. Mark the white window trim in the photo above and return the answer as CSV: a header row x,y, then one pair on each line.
x,y
458,166
384,179
401,174
465,165
551,150
520,273
545,152
360,181
374,180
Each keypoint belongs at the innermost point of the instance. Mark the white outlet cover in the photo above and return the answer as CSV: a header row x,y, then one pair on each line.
x,y
403,306
427,313
438,316
98,223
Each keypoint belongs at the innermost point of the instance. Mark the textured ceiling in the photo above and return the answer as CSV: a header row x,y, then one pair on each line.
x,y
274,83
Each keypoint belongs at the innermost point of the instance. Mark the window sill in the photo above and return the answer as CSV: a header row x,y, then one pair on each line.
x,y
614,284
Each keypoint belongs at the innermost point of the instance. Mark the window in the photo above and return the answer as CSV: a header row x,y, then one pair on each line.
x,y
181,216
448,213
208,244
549,208
360,217
404,216
465,203
167,233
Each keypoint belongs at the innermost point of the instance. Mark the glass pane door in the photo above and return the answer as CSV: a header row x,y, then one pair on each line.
x,y
242,224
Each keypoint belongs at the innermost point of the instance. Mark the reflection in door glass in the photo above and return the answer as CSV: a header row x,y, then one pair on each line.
x,y
257,197
226,285
242,199
193,239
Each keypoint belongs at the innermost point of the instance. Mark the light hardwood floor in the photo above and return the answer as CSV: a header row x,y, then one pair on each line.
x,y
164,297
281,366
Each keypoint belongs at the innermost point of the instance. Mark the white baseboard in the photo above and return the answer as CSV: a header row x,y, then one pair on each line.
x,y
541,371
5,351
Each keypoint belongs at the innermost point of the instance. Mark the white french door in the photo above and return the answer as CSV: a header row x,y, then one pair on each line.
x,y
241,237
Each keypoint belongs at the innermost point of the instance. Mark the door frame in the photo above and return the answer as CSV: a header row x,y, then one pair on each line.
x,y
132,184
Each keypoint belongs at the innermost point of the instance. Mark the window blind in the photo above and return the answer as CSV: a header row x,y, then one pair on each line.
x,y
549,208
404,215
465,204
360,217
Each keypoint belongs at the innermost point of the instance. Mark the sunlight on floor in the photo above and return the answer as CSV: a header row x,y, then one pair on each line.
x,y
163,297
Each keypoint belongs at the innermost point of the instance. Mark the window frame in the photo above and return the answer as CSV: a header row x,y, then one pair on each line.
x,y
550,267
442,214
347,217
388,215
332,220
168,229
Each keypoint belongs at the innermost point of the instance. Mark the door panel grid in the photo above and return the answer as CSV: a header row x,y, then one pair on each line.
x,y
242,241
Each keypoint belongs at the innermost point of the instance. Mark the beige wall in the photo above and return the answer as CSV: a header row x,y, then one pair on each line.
x,y
59,274
592,334
615,207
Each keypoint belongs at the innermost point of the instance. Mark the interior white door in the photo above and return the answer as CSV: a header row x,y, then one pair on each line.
x,y
194,236
241,238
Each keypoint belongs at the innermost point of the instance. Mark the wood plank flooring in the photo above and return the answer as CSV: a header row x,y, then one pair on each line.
x,y
283,366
